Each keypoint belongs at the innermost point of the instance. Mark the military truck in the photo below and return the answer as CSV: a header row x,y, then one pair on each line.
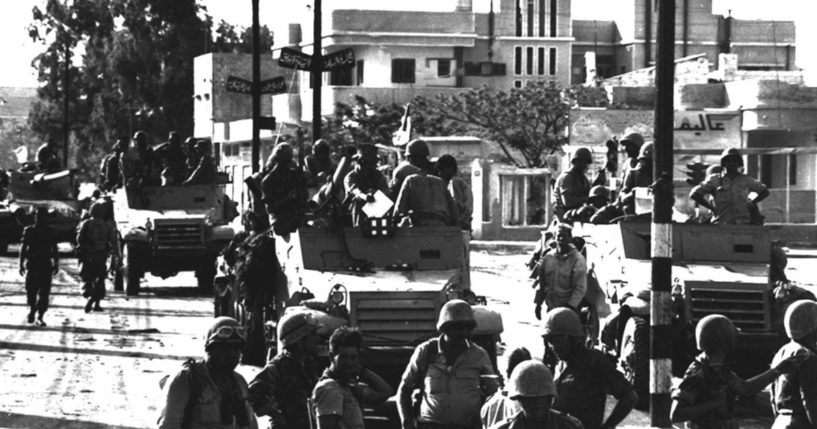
x,y
29,190
723,269
166,230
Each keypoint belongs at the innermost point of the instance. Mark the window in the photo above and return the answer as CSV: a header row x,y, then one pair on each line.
x,y
552,58
792,169
529,62
359,72
518,18
541,18
342,76
540,70
531,15
517,60
553,18
517,84
443,68
402,70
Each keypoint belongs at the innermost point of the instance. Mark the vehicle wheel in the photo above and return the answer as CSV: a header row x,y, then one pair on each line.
x,y
131,272
635,358
205,275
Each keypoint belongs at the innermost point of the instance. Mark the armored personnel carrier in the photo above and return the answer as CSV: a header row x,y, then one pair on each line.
x,y
170,229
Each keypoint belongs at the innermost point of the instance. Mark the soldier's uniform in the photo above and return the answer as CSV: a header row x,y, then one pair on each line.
x,y
284,191
701,381
39,259
362,181
426,200
47,158
96,240
281,391
173,162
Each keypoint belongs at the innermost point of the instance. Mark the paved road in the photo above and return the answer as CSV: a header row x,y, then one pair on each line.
x,y
102,369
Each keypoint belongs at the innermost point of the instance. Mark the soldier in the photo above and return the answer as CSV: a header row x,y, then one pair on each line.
x,y
205,172
281,390
450,363
458,188
47,159
364,181
172,160
111,175
562,274
499,406
190,151
709,389
533,390
96,240
416,162
638,177
345,385
731,190
39,261
137,163
794,395
209,393
319,166
584,377
572,187
597,199
632,144
284,191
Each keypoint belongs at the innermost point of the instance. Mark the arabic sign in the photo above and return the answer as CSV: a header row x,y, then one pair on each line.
x,y
292,59
276,85
701,129
338,60
236,84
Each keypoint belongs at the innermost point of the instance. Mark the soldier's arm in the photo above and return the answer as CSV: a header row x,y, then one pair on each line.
x,y
760,189
262,391
410,381
571,200
579,280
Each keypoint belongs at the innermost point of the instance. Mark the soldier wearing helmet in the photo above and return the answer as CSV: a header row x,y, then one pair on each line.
x,y
110,176
284,190
205,172
209,393
364,181
97,240
172,160
794,395
532,388
47,158
731,190
424,200
319,165
562,274
598,198
706,396
499,406
632,146
138,163
282,388
451,363
638,177
39,261
572,187
584,376
416,162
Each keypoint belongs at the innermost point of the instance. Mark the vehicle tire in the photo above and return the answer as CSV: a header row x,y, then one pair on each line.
x,y
635,358
131,274
205,275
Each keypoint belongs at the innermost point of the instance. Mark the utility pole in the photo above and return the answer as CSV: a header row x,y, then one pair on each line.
x,y
660,299
256,89
66,85
317,72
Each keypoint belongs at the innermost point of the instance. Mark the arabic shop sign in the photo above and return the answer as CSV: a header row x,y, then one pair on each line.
x,y
701,129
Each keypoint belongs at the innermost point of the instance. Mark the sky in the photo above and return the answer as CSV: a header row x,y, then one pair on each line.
x,y
19,49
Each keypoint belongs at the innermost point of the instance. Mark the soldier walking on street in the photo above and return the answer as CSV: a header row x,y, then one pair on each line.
x,y
562,275
39,261
96,240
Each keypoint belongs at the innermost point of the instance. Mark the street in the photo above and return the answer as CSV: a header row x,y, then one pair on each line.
x,y
103,369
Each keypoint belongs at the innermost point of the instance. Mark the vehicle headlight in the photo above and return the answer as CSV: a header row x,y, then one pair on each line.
x,y
338,294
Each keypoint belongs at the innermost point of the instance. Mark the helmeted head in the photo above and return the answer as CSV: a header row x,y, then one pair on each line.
x,y
190,144
599,194
321,149
446,166
563,333
140,139
417,148
203,147
97,210
121,144
174,138
282,153
366,155
582,156
456,311
294,327
531,385
646,151
715,333
632,144
800,319
225,330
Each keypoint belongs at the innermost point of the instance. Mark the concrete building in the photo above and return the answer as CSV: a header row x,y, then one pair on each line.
x,y
628,41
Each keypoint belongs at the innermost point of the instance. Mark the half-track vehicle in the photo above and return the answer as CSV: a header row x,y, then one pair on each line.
x,y
716,269
29,190
169,229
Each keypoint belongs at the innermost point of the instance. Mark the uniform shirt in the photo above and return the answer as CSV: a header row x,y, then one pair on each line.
x,y
205,172
314,167
331,398
731,196
555,420
583,384
790,390
701,380
42,246
281,390
173,160
284,190
360,181
569,184
461,192
399,175
499,407
562,279
111,176
452,394
95,236
427,196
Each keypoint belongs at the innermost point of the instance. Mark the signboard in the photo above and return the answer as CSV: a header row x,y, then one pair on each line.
x,y
292,59
276,85
266,122
703,129
236,84
338,60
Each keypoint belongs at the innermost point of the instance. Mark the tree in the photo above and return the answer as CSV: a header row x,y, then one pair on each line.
x,y
526,122
362,122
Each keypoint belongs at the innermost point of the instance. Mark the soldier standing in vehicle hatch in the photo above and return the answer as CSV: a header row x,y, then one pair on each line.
x,y
39,261
96,240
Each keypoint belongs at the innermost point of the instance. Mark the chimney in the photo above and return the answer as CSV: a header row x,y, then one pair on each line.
x,y
463,6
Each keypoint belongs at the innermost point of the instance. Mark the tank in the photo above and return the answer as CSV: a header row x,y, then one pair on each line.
x,y
29,190
716,269
166,230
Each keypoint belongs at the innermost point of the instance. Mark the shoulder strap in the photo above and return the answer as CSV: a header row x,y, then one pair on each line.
x,y
194,387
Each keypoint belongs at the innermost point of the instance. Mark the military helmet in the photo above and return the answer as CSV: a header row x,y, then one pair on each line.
x,y
731,152
563,321
283,152
454,311
140,137
634,139
366,151
97,209
599,191
225,330
713,332
320,145
417,147
203,144
295,326
531,379
190,142
646,151
582,154
800,319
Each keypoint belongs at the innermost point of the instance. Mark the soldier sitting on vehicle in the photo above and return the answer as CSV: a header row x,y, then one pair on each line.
x,y
137,164
205,172
284,191
110,175
47,159
319,166
424,200
597,200
172,160
364,181
731,191
572,187
632,147
638,177
416,162
458,188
